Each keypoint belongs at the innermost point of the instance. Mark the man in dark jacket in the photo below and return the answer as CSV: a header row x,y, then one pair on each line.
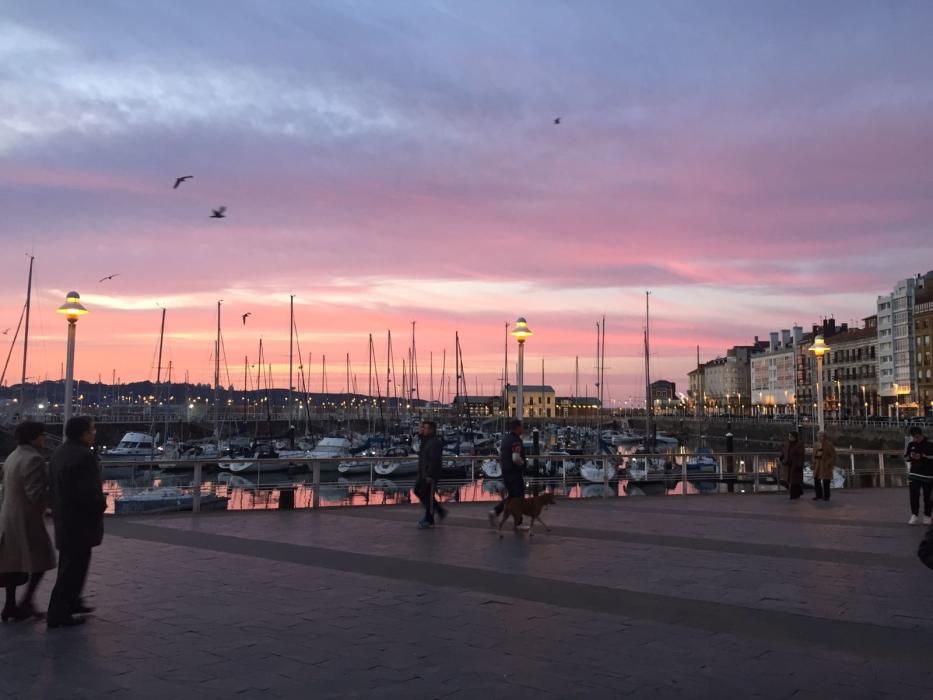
x,y
919,455
512,461
78,505
430,470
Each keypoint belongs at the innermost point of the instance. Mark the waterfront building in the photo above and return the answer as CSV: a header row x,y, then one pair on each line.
x,y
897,368
805,363
539,400
851,368
772,373
576,406
923,347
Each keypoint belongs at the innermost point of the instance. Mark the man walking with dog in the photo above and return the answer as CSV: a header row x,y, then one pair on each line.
x,y
512,461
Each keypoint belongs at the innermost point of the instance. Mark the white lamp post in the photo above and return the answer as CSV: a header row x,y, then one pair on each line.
x,y
819,348
521,332
72,310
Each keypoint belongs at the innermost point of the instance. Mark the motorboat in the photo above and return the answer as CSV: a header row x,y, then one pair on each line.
x,y
560,463
402,462
133,447
358,466
598,473
491,468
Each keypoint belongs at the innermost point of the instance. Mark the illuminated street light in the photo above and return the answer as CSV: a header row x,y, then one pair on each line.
x,y
72,310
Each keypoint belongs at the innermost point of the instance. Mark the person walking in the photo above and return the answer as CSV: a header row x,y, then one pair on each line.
x,y
26,551
919,456
78,505
512,460
792,456
430,471
824,461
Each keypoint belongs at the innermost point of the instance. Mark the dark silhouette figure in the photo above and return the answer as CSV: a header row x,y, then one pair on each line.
x,y
248,313
179,180
218,213
108,277
78,505
557,120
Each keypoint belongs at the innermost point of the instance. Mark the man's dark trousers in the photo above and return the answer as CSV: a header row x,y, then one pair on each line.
x,y
73,565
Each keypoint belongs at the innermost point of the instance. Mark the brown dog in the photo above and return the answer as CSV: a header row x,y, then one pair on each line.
x,y
518,507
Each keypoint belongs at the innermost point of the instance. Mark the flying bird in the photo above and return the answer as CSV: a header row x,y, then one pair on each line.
x,y
108,277
218,213
557,120
179,180
248,313
6,331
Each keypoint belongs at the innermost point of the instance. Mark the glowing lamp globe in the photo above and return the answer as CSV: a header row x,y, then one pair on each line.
x,y
521,330
72,309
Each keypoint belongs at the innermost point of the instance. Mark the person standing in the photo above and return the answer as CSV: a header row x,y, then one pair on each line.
x,y
512,460
792,457
26,552
430,471
78,505
824,461
919,456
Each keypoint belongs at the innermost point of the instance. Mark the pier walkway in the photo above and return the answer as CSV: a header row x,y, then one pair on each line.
x,y
666,597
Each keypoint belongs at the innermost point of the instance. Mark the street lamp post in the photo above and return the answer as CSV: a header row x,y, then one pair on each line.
x,y
865,402
72,310
819,348
897,404
521,332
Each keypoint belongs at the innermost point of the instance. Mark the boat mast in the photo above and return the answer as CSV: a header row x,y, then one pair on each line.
x,y
291,345
602,370
649,436
22,387
347,404
217,379
161,338
413,368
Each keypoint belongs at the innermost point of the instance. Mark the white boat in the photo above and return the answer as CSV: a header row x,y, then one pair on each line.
x,y
134,447
398,465
702,462
561,464
598,473
331,448
492,468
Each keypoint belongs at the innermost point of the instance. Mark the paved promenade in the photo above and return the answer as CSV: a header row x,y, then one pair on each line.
x,y
667,597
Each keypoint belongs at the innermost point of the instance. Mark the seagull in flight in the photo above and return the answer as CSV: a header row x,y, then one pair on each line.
x,y
248,313
108,277
6,331
218,213
179,180
557,120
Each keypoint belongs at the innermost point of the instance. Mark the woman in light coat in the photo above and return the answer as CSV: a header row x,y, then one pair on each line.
x,y
26,551
824,460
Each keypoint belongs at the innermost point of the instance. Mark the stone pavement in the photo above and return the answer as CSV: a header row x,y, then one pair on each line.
x,y
665,597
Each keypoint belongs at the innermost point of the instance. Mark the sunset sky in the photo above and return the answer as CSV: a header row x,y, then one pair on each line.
x,y
753,164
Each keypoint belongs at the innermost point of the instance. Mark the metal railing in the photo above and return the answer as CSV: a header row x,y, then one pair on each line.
x,y
196,485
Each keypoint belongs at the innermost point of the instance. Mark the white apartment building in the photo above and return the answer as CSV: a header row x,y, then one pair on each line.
x,y
897,368
773,373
